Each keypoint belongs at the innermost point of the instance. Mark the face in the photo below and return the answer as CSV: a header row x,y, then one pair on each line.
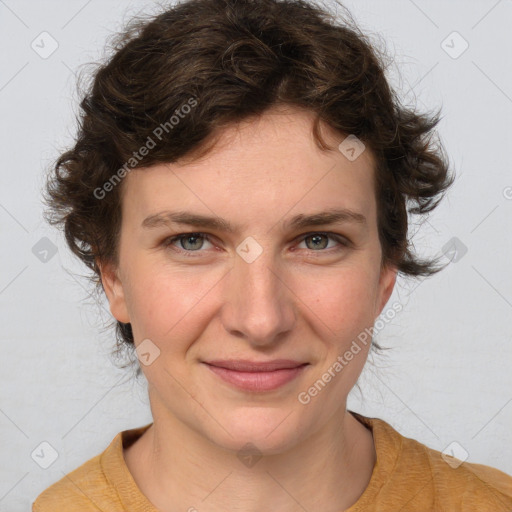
x,y
255,286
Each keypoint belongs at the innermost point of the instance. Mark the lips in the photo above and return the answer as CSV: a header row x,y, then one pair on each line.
x,y
256,376
243,365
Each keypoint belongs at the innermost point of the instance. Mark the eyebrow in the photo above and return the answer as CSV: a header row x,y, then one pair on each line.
x,y
300,221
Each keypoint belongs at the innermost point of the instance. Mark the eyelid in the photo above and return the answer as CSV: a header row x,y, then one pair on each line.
x,y
342,240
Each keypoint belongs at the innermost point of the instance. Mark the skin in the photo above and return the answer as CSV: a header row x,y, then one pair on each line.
x,y
297,300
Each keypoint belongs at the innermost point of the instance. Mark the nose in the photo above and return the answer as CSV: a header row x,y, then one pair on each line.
x,y
259,306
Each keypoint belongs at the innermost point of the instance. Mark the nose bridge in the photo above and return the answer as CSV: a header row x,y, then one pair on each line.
x,y
260,306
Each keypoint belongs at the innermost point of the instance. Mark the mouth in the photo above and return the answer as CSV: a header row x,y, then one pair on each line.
x,y
257,376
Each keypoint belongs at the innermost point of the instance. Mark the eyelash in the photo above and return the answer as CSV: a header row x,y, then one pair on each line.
x,y
344,242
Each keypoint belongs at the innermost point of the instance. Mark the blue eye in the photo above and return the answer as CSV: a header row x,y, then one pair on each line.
x,y
187,238
195,242
317,240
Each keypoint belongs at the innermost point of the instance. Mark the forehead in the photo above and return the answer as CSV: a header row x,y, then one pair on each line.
x,y
259,169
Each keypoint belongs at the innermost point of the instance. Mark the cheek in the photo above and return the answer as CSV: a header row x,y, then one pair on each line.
x,y
341,301
165,304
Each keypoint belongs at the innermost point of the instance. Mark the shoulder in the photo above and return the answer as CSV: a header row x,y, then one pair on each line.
x,y
87,488
453,483
467,484
81,489
411,475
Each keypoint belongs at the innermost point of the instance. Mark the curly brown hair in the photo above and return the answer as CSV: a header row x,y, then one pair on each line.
x,y
228,60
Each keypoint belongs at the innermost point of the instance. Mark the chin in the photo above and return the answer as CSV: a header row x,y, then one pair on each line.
x,y
270,430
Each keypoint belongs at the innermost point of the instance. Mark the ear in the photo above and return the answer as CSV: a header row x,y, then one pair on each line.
x,y
114,291
387,282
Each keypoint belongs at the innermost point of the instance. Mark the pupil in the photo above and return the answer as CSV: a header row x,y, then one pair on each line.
x,y
192,237
317,240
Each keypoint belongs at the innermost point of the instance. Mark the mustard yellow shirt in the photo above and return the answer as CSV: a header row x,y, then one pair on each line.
x,y
407,477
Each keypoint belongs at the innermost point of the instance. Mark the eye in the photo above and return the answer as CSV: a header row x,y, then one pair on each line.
x,y
190,243
320,241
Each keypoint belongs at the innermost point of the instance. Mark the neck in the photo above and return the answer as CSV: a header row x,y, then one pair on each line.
x,y
179,469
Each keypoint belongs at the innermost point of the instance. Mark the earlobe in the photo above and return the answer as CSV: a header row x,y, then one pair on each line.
x,y
114,291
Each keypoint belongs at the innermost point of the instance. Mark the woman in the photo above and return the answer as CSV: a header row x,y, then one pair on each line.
x,y
238,187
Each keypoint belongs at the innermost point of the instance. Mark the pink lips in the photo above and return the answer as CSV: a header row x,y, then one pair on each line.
x,y
257,376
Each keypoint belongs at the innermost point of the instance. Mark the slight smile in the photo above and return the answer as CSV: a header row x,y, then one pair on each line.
x,y
257,376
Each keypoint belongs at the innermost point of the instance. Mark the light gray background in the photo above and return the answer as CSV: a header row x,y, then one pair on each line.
x,y
448,377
